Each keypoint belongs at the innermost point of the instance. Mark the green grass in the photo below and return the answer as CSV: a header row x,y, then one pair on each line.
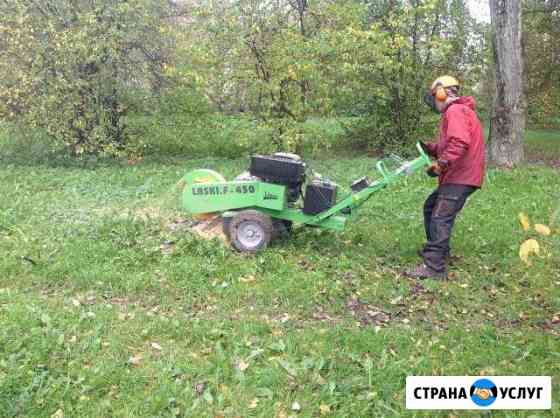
x,y
96,319
543,147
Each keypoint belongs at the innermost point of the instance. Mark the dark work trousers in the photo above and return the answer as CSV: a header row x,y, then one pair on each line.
x,y
440,210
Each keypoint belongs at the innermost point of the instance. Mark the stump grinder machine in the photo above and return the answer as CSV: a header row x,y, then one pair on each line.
x,y
279,192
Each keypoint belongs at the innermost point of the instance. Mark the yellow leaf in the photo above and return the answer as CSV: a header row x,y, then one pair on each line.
x,y
542,229
249,279
58,414
253,404
135,360
527,248
241,365
524,221
325,409
281,414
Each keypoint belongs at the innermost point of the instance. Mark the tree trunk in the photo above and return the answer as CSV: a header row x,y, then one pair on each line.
x,y
508,114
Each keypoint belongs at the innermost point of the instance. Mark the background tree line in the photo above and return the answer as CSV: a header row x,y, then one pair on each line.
x,y
117,76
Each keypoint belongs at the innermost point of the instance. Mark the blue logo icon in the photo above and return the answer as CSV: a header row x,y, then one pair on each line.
x,y
483,392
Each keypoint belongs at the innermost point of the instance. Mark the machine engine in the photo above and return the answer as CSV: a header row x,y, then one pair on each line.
x,y
280,168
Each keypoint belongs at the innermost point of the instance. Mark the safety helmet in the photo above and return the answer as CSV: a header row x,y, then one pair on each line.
x,y
440,85
438,91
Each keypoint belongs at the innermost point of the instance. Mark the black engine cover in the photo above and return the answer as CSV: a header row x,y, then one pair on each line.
x,y
277,169
319,196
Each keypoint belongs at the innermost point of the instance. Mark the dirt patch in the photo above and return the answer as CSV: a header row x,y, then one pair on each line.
x,y
321,315
417,290
554,163
367,314
180,224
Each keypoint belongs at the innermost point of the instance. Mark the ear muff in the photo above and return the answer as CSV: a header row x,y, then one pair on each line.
x,y
441,94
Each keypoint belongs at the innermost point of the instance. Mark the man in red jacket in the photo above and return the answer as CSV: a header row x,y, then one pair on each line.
x,y
459,165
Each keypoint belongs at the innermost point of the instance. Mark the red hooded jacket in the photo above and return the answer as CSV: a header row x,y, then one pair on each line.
x,y
460,144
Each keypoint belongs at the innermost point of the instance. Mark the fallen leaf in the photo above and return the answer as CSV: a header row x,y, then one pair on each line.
x,y
281,414
527,248
156,346
199,388
135,360
253,404
524,221
58,414
249,279
45,319
255,353
296,406
317,378
542,229
396,300
325,409
241,365
167,247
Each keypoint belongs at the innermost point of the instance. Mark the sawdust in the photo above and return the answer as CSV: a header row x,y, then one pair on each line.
x,y
147,213
208,229
211,228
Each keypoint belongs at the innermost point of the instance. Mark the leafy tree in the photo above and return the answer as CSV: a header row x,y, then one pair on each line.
x,y
285,61
257,59
541,48
388,58
71,67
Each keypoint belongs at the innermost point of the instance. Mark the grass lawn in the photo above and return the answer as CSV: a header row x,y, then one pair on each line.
x,y
108,310
543,147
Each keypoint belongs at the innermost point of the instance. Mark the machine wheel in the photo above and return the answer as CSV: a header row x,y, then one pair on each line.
x,y
250,231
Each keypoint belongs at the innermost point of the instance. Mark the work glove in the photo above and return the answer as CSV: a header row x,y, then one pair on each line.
x,y
434,170
437,168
